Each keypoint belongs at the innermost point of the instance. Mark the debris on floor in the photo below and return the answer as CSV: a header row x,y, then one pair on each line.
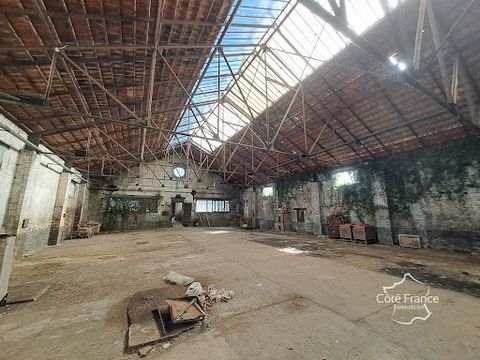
x,y
215,294
144,350
196,289
176,278
160,315
183,310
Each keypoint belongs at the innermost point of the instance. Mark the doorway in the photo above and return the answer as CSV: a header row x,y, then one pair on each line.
x,y
177,209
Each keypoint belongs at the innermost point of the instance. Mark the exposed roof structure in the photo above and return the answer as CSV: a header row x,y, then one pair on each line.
x,y
253,89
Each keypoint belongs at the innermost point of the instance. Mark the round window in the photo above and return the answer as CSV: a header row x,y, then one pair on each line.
x,y
179,171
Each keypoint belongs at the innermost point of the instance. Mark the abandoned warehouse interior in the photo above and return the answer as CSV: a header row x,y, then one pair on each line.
x,y
240,179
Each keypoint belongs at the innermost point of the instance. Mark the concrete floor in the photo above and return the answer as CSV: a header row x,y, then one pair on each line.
x,y
287,306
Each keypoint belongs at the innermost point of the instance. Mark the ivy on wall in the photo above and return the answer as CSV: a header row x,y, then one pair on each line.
x,y
358,197
123,207
293,182
440,171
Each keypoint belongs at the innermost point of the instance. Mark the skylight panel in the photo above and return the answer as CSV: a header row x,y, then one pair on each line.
x,y
225,121
292,51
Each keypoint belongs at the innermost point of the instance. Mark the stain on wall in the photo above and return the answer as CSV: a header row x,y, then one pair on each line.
x,y
433,192
156,180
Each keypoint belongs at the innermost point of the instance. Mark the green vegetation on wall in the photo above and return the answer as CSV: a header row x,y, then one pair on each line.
x,y
124,208
293,182
441,171
358,197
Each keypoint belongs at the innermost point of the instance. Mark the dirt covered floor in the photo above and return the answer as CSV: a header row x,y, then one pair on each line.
x,y
444,269
318,304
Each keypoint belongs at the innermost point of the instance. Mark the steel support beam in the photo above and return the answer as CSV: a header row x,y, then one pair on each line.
x,y
419,34
151,77
80,48
439,51
344,29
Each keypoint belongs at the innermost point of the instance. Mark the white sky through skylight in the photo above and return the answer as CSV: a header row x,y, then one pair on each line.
x,y
298,46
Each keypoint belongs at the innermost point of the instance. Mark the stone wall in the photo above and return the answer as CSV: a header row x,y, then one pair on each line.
x,y
9,147
432,192
156,179
435,193
259,208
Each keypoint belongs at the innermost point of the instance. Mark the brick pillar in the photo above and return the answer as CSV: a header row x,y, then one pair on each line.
x,y
382,213
25,161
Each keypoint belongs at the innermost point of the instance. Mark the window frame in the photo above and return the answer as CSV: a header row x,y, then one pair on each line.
x,y
352,174
269,194
179,166
211,206
72,189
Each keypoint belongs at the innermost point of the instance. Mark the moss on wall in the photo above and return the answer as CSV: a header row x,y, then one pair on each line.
x,y
121,215
292,182
358,197
441,171
430,191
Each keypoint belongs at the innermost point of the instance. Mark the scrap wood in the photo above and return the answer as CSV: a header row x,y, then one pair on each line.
x,y
182,310
169,328
185,310
197,305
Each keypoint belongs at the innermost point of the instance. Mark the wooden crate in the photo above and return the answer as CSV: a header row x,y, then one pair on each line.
x,y
364,233
246,223
411,241
345,231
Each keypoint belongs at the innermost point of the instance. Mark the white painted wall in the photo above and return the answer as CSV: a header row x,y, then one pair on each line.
x,y
11,147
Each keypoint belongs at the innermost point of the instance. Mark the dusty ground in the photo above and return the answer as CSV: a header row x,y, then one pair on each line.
x,y
316,305
443,269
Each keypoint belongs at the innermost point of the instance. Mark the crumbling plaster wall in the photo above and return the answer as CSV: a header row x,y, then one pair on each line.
x,y
305,196
260,208
432,192
29,189
37,208
10,147
68,206
147,180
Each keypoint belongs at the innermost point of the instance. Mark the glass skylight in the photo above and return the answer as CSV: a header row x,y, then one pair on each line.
x,y
291,50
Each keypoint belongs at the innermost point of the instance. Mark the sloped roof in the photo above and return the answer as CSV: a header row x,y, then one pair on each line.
x,y
303,110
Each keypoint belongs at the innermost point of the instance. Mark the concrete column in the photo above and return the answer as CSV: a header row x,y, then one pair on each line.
x,y
57,231
7,173
314,203
382,213
83,195
321,210
25,162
